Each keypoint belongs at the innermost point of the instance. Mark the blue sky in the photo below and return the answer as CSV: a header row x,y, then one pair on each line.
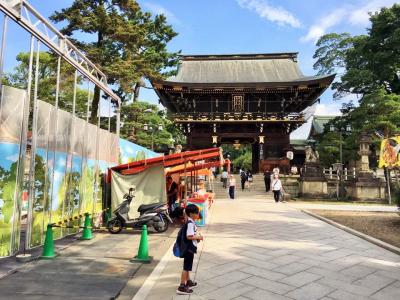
x,y
254,26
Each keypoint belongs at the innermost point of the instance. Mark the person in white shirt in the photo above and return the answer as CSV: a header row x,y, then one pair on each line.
x,y
276,187
193,237
224,177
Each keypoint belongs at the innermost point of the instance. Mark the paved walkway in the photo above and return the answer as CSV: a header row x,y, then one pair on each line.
x,y
95,269
257,249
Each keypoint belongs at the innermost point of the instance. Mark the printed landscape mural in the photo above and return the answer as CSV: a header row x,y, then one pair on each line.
x,y
71,157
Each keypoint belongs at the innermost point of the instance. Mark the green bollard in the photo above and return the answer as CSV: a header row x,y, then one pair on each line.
x,y
143,252
48,248
87,230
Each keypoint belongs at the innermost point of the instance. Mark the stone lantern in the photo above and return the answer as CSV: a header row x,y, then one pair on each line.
x,y
366,187
364,152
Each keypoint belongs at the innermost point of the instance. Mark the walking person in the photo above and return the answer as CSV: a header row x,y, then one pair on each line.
x,y
172,193
249,179
243,179
224,177
276,187
232,186
267,180
192,237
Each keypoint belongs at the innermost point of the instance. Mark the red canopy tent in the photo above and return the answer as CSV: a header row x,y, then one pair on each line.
x,y
208,158
193,167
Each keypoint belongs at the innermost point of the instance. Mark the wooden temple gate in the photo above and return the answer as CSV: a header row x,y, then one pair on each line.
x,y
237,99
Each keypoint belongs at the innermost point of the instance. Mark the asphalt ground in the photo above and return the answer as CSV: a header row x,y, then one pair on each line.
x,y
94,269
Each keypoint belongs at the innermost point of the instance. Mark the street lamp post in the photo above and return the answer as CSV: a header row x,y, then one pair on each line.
x,y
152,130
339,171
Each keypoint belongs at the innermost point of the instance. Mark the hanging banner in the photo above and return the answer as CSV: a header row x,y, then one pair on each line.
x,y
390,153
150,188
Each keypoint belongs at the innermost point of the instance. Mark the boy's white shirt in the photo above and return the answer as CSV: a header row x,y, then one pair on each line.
x,y
192,230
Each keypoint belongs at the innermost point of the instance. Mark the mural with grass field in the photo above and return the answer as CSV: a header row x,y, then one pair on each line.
x,y
71,157
12,151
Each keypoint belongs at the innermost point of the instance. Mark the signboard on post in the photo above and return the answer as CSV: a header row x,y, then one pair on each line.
x,y
390,152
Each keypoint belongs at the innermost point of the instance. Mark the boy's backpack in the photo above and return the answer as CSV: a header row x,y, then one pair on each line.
x,y
243,176
182,244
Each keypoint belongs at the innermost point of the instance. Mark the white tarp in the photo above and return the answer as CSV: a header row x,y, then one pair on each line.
x,y
149,184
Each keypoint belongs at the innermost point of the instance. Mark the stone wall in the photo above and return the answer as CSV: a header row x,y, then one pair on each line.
x,y
291,185
354,191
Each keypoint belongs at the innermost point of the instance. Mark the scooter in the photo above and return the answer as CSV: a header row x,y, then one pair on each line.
x,y
155,215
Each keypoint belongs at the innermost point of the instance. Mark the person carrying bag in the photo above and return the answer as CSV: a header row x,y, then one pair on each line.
x,y
277,188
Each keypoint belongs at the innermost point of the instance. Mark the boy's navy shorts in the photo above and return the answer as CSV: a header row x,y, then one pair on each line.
x,y
188,261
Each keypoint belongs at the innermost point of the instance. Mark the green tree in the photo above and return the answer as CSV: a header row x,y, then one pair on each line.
x,y
127,44
378,111
47,78
243,161
241,157
369,66
136,114
369,61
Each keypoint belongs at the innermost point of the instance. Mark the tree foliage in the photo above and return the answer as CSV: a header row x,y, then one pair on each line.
x,y
330,53
370,67
241,157
370,62
47,78
136,114
125,42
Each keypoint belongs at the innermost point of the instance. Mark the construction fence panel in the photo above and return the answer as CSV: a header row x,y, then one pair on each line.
x,y
13,114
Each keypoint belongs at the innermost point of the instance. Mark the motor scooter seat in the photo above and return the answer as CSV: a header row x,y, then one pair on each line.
x,y
144,207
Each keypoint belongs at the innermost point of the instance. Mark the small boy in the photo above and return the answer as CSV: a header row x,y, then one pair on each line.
x,y
192,213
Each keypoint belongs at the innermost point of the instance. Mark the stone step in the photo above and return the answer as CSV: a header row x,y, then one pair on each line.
x,y
257,188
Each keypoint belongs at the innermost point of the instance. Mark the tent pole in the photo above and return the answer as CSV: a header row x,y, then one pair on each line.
x,y
191,181
186,186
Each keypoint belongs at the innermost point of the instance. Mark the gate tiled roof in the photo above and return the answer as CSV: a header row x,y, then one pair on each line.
x,y
244,68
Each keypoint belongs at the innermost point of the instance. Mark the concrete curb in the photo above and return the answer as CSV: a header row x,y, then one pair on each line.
x,y
368,238
151,280
145,289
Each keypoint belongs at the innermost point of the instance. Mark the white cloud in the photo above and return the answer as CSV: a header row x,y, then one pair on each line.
x,y
13,157
128,149
350,14
277,15
158,10
360,15
329,109
324,24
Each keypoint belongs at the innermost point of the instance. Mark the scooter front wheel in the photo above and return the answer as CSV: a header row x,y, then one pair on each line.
x,y
114,226
164,226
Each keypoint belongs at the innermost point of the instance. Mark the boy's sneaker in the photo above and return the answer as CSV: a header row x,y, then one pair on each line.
x,y
191,284
184,290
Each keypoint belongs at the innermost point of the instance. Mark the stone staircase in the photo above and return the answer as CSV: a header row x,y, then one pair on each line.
x,y
257,188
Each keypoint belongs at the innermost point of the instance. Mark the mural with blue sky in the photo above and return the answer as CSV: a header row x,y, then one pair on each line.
x,y
130,152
